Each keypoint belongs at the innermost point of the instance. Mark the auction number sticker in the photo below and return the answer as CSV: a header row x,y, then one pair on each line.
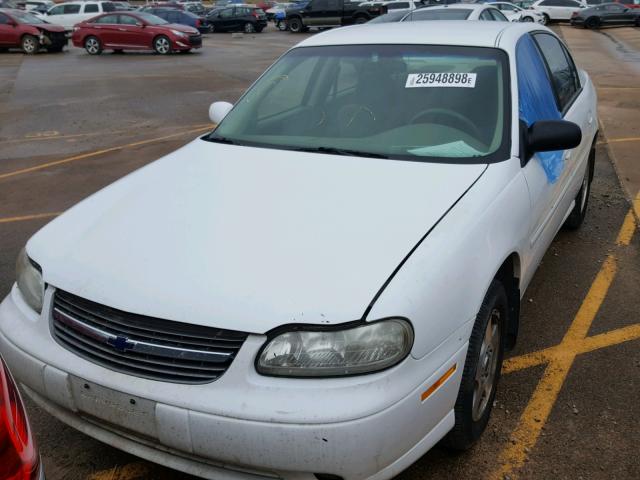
x,y
464,80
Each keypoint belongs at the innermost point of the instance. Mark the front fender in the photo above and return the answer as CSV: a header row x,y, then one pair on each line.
x,y
442,284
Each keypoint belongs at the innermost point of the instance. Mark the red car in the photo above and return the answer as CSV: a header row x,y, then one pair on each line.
x,y
19,459
20,29
134,31
629,3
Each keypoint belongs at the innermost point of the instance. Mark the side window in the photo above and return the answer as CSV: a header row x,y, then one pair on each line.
x,y
3,19
127,20
563,72
536,99
486,15
320,5
173,17
226,13
498,16
71,9
59,10
91,8
108,19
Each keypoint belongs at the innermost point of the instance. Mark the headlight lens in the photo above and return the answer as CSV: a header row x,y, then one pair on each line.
x,y
328,353
179,33
29,279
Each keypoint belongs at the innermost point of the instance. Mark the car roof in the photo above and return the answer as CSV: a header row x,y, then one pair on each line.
x,y
460,6
441,32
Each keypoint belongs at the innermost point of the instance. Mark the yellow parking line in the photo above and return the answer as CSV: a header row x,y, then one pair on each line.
x,y
53,135
98,152
130,471
35,216
619,140
537,411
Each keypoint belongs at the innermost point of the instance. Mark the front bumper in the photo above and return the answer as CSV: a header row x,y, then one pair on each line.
x,y
243,424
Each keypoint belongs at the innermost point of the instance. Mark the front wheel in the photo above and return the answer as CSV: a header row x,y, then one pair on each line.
x,y
527,19
249,28
162,45
29,44
92,45
481,370
361,19
295,25
545,19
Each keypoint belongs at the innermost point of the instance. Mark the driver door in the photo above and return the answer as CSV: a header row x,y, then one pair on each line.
x,y
8,31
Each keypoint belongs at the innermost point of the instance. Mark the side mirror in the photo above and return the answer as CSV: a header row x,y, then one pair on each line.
x,y
548,136
219,110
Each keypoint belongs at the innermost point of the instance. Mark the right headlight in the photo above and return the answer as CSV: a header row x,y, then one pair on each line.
x,y
29,280
321,352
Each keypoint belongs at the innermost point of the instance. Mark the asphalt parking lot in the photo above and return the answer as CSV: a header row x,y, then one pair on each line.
x,y
567,406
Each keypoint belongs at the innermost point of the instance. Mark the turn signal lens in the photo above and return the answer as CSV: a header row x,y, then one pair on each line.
x,y
18,454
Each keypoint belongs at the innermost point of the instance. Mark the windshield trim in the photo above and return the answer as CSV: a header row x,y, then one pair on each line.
x,y
502,153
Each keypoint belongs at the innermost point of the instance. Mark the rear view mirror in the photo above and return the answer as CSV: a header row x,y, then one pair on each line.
x,y
219,110
550,135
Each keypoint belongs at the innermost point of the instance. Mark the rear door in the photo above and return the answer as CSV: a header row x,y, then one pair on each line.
x,y
108,30
8,31
616,14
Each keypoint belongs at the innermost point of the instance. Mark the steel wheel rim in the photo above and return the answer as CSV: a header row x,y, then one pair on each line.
x,y
29,45
92,45
248,28
162,45
487,366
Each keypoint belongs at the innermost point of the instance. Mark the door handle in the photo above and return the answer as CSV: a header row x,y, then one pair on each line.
x,y
122,29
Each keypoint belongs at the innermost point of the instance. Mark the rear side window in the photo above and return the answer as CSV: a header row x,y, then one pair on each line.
x,y
448,14
110,19
127,20
561,68
3,19
486,15
91,8
59,10
71,9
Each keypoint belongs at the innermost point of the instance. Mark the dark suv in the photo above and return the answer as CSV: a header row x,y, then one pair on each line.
x,y
237,18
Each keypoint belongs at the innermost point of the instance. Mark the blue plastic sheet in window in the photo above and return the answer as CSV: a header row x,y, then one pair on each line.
x,y
536,100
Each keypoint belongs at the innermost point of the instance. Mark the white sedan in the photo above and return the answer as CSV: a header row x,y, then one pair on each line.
x,y
556,10
324,286
457,11
518,14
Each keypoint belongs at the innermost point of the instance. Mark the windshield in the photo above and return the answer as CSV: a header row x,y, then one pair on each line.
x,y
24,17
439,14
413,102
151,19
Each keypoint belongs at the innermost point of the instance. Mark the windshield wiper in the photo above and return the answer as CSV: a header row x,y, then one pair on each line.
x,y
221,140
340,151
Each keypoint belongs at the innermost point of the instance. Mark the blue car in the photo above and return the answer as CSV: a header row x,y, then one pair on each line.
x,y
173,15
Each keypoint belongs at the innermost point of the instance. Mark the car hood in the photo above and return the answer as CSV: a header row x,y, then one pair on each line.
x,y
47,27
181,28
247,238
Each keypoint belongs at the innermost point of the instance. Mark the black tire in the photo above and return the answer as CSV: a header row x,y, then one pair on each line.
x,y
295,25
472,408
162,45
592,22
3,50
637,24
93,45
249,28
545,19
527,19
579,212
259,29
211,28
29,44
360,19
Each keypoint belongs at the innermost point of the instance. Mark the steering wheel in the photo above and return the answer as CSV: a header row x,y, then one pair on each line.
x,y
351,111
456,116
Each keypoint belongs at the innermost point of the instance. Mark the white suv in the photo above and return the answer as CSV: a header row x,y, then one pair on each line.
x,y
70,13
557,9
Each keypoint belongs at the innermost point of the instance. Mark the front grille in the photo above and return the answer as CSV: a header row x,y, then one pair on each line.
x,y
57,38
195,40
143,346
